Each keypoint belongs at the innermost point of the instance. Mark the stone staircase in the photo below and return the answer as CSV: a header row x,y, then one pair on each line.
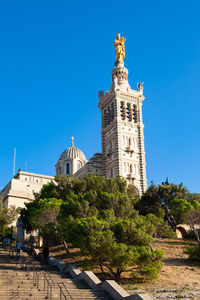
x,y
27,279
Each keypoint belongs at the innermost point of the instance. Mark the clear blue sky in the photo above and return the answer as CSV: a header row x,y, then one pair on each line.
x,y
56,55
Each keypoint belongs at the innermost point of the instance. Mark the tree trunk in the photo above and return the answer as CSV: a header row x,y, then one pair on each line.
x,y
118,274
170,219
102,271
108,267
62,239
65,245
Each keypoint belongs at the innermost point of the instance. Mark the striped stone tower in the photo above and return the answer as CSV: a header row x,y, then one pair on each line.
x,y
122,126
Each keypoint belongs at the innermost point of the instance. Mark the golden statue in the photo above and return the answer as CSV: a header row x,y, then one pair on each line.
x,y
120,47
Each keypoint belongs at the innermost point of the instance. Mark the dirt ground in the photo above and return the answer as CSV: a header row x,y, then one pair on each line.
x,y
179,277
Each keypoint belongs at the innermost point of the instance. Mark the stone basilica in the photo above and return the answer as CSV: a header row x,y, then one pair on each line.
x,y
122,143
121,133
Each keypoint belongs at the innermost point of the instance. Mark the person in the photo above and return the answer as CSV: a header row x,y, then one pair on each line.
x,y
45,253
31,250
18,246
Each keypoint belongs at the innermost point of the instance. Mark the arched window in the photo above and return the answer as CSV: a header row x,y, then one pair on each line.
x,y
129,112
105,118
78,165
67,168
60,171
108,116
135,113
127,141
122,111
112,112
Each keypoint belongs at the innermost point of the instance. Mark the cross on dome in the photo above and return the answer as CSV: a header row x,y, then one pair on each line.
x,y
72,141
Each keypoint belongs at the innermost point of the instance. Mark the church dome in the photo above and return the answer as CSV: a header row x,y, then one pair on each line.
x,y
70,161
72,153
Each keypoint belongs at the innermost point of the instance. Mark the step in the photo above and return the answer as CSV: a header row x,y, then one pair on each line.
x,y
16,284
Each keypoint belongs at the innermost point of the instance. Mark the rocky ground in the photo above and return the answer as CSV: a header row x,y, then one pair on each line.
x,y
179,277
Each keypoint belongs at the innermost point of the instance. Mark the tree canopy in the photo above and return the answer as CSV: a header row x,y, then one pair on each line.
x,y
169,201
109,222
97,215
7,216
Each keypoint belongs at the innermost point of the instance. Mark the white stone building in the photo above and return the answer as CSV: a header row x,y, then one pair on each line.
x,y
22,187
121,134
19,191
122,130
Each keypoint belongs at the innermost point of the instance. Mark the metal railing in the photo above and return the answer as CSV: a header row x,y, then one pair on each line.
x,y
28,270
36,278
62,294
48,283
12,251
64,291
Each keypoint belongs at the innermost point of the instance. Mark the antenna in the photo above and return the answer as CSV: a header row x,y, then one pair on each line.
x,y
25,167
14,161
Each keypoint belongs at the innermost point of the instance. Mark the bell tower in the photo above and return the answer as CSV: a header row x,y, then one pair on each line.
x,y
122,126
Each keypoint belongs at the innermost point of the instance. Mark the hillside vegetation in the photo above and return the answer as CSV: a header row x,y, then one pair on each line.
x,y
111,225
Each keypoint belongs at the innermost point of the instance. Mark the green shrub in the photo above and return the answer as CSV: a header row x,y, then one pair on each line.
x,y
166,232
6,232
150,272
162,229
87,264
193,252
150,263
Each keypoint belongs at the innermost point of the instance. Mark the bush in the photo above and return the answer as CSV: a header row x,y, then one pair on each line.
x,y
166,232
162,229
7,232
150,272
150,262
193,252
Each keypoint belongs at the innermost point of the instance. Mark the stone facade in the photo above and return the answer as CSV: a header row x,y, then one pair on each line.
x,y
121,134
19,191
22,187
122,130
94,165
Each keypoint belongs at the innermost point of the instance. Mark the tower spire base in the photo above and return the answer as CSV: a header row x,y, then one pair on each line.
x,y
119,64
